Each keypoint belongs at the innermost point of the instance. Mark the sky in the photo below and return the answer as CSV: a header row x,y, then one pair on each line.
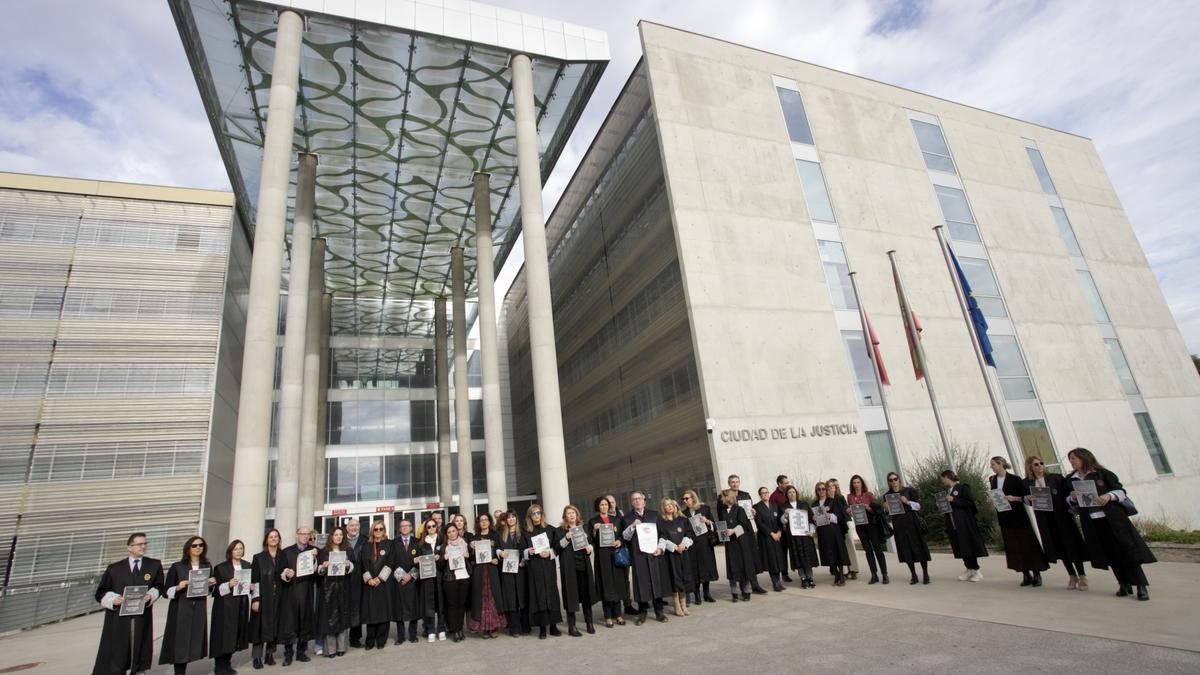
x,y
102,89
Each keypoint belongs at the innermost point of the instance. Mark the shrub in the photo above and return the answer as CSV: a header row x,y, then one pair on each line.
x,y
926,476
1157,529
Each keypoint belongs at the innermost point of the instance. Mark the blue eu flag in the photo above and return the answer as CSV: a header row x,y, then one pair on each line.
x,y
978,322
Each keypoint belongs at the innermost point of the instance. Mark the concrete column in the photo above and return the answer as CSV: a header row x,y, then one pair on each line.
x,y
291,385
322,404
248,501
552,457
462,392
489,366
442,382
310,399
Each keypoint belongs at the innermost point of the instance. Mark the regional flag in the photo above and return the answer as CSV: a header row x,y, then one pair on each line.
x,y
978,322
874,352
912,327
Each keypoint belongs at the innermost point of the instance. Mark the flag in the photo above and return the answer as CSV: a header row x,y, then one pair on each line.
x,y
978,322
912,327
874,350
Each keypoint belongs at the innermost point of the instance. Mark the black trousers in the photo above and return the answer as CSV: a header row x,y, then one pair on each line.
x,y
222,664
659,603
299,647
458,597
971,563
612,609
869,536
412,630
356,635
377,634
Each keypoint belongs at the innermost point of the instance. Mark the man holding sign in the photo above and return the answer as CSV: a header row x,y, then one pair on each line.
x,y
296,619
127,640
651,579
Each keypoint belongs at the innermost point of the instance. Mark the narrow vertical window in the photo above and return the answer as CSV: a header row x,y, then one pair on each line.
x,y
794,116
1039,167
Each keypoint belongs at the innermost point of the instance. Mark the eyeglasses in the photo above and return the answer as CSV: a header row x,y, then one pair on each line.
x,y
1038,464
377,529
138,543
687,499
535,513
197,545
893,480
820,489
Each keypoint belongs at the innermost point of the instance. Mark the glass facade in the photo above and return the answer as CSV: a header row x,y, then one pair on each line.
x,y
861,368
1034,438
933,146
837,274
794,116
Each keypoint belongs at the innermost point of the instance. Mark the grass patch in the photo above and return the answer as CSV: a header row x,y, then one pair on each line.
x,y
1160,530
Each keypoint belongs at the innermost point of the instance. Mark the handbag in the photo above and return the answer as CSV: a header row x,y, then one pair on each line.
x,y
621,557
1129,506
885,528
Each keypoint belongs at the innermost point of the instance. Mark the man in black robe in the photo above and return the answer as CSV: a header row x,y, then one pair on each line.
x,y
127,642
354,540
735,483
651,576
296,617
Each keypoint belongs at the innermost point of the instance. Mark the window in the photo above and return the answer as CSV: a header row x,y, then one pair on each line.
x,y
815,194
1093,296
983,285
957,213
883,458
423,420
1066,231
1034,438
1039,167
837,274
1010,368
794,116
1123,373
1153,446
476,420
862,368
933,146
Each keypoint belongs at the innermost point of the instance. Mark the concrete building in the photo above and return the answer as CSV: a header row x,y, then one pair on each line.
x,y
704,314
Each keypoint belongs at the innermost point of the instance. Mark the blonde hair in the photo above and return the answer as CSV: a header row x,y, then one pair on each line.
x,y
1029,464
729,493
667,501
529,520
578,516
696,502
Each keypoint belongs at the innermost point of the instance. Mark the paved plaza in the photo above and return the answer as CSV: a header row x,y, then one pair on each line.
x,y
993,626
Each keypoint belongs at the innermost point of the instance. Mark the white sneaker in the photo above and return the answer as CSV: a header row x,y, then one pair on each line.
x,y
965,576
432,637
442,636
975,576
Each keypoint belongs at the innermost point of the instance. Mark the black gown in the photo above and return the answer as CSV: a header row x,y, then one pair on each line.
x,y
406,600
770,552
703,558
570,563
430,590
492,572
610,581
679,564
722,511
354,585
1060,535
961,526
514,588
802,550
297,620
375,558
1022,552
830,543
1111,539
333,598
186,636
543,581
230,614
651,577
741,559
906,527
127,643
264,574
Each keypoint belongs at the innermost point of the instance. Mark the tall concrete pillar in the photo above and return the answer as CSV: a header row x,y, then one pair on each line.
x,y
442,382
248,501
310,400
291,381
462,392
322,404
543,354
489,366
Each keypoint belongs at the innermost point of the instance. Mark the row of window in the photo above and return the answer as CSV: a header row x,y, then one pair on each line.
x,y
648,401
387,477
374,422
116,460
86,379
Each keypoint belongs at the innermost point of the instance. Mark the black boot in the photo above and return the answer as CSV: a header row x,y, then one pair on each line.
x,y
874,580
258,664
913,581
554,630
1143,593
571,629
707,594
1123,590
925,579
541,632
746,596
590,627
787,579
886,580
1026,580
269,658
1037,579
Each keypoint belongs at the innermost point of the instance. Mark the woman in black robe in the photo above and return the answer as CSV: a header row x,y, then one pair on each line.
x,y
1022,551
374,565
740,557
456,583
962,528
231,613
703,558
802,550
186,636
909,529
575,571
673,527
770,539
610,580
333,596
514,587
543,596
264,609
430,588
406,599
486,595
1059,532
1110,536
831,543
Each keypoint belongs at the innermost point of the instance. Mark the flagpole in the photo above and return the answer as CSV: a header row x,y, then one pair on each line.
x,y
875,369
997,407
915,338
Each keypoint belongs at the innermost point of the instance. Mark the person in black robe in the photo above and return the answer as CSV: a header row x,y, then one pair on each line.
x,y
354,586
610,580
456,583
831,543
1059,532
1111,538
1022,551
769,539
743,499
514,587
544,607
264,608
231,612
186,636
374,565
839,499
627,601
430,588
802,550
909,529
871,532
487,597
673,527
962,528
575,571
127,642
651,577
740,556
332,631
406,600
297,620
703,558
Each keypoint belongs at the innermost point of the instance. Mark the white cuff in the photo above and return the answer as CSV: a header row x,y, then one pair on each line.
x,y
349,567
107,600
833,518
366,577
564,541
282,573
687,542
385,573
627,533
1116,495
916,506
225,590
171,592
153,595
738,531
254,592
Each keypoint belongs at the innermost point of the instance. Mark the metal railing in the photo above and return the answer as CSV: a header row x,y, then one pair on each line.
x,y
24,607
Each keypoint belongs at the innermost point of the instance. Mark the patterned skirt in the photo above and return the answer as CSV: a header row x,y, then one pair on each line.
x,y
489,618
